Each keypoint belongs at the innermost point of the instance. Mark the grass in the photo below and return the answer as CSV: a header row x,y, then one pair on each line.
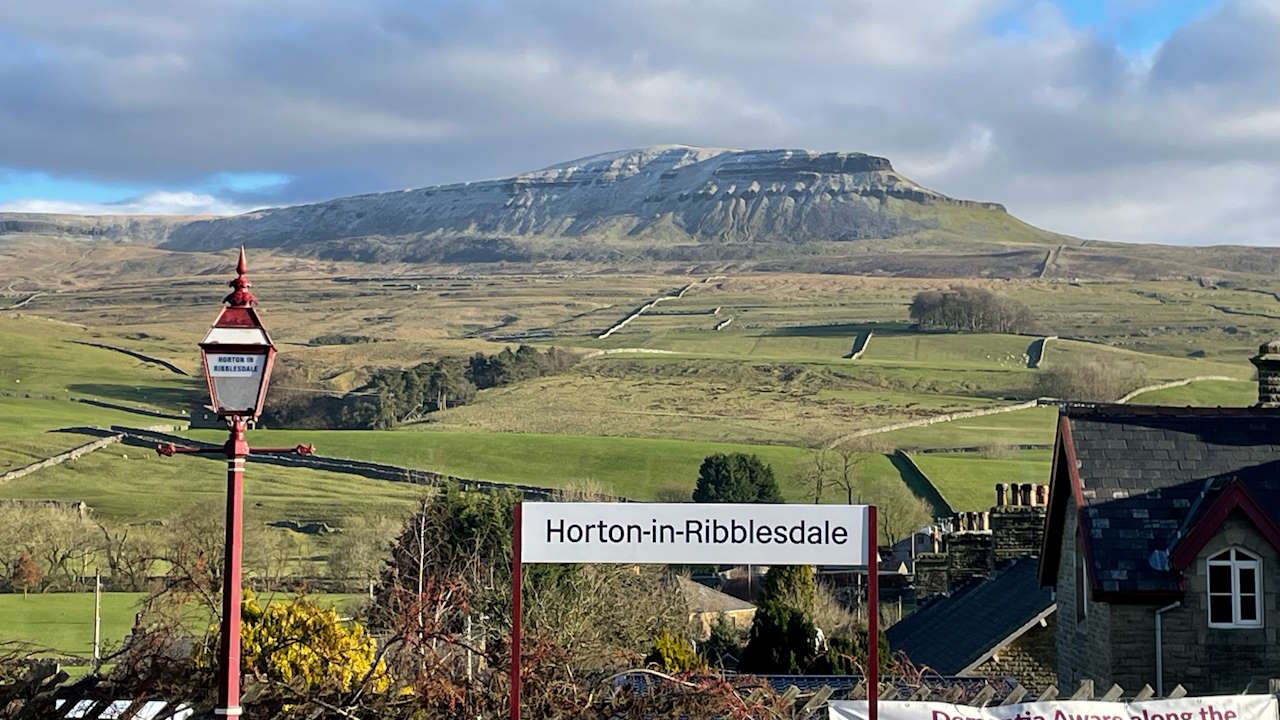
x,y
636,468
1035,426
967,480
43,375
39,357
62,623
1203,393
133,484
29,427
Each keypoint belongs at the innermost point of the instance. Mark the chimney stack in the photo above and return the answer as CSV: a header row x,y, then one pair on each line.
x,y
1268,363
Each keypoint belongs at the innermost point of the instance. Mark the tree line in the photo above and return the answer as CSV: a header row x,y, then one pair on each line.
x,y
965,308
394,396
433,640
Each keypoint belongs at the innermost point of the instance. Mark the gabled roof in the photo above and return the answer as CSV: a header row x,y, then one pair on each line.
x,y
900,557
1144,478
702,599
955,633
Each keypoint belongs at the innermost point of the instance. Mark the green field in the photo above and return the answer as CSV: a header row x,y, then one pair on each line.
x,y
968,480
44,374
62,623
1034,426
131,483
1203,393
636,468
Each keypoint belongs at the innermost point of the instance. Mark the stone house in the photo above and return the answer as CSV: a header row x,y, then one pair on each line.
x,y
1161,544
707,605
980,610
1002,626
974,545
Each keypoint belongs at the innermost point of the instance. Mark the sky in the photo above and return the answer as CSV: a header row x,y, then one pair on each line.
x,y
1132,120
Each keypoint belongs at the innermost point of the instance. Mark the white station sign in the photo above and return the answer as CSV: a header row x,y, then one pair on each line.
x,y
235,364
1215,707
694,533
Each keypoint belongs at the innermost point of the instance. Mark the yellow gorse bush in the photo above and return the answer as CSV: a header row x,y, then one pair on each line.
x,y
305,646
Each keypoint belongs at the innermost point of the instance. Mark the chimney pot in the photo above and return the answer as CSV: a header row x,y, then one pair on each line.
x,y
1268,363
1042,495
1026,493
1000,494
984,521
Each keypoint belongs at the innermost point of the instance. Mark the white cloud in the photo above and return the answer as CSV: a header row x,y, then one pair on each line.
x,y
1180,144
156,203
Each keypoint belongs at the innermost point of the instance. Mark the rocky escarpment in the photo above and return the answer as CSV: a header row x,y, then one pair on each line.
x,y
151,229
655,197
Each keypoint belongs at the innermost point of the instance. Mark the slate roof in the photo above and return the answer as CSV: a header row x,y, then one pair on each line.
x,y
1145,475
702,599
951,633
902,554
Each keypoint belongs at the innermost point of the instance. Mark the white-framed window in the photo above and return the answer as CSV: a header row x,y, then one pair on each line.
x,y
1235,589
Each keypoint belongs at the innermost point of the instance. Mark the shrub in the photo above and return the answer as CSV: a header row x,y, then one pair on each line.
x,y
300,642
724,646
782,640
1090,382
736,478
847,655
791,585
674,653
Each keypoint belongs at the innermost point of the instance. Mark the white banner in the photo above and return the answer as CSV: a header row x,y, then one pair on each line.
x,y
235,364
1213,707
694,533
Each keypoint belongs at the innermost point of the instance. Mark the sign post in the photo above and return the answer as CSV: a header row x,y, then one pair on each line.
x,y
694,534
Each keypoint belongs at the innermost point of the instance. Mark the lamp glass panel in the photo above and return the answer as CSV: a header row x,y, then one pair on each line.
x,y
236,378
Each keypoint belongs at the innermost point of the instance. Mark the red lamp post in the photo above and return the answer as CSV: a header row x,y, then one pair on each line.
x,y
237,355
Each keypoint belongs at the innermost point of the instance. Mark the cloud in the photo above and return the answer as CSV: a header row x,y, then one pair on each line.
x,y
1006,100
154,203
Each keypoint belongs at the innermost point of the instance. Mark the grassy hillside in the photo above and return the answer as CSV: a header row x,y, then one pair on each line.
x,y
637,468
62,623
1203,393
968,480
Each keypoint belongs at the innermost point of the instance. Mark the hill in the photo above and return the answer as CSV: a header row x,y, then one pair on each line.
x,y
664,202
709,208
670,200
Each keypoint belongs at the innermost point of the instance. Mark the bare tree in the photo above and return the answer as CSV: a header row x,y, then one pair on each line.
x,y
848,469
360,551
1096,381
814,474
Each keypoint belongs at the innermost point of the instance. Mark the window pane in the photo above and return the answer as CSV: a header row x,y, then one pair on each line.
x,y
1220,609
1224,556
1219,578
1248,608
1248,580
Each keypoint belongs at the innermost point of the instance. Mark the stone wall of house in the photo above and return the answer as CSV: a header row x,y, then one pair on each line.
x,y
1084,646
931,575
1016,531
1203,659
1031,659
970,557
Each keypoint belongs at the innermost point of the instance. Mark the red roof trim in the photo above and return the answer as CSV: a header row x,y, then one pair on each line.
x,y
1050,541
1082,518
1235,497
1051,545
1064,476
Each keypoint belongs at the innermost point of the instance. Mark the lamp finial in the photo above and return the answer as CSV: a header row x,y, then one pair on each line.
x,y
240,295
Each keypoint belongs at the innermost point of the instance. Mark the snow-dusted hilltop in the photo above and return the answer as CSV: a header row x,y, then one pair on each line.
x,y
662,196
